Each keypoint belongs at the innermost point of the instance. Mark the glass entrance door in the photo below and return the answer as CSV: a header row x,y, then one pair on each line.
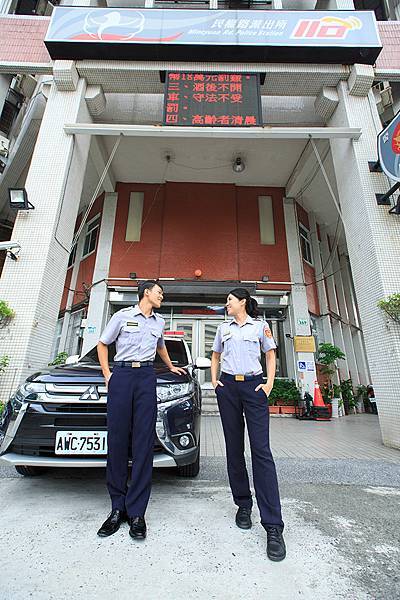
x,y
199,335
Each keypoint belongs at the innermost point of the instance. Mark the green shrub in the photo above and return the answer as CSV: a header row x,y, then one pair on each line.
x,y
349,399
391,306
59,359
4,362
328,354
285,390
5,311
361,393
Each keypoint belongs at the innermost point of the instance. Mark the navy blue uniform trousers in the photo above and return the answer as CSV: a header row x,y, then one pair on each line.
x,y
234,399
131,414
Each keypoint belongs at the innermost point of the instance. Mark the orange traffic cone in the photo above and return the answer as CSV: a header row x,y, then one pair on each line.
x,y
321,411
318,400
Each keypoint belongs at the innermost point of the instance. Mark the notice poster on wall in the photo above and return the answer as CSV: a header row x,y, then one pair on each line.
x,y
197,99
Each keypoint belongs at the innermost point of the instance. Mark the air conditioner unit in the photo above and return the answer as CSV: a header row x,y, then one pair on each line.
x,y
385,92
386,95
28,85
16,83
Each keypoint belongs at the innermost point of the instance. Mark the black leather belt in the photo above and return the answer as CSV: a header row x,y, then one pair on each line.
x,y
133,364
240,377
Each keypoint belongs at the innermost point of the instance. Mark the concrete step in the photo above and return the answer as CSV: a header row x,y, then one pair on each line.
x,y
209,404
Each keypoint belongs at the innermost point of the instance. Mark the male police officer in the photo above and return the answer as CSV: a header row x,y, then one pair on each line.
x,y
132,406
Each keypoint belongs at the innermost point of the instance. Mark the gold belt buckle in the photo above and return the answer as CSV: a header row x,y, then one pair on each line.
x,y
135,365
239,377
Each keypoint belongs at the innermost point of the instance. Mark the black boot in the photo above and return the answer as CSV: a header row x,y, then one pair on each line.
x,y
276,549
243,519
112,523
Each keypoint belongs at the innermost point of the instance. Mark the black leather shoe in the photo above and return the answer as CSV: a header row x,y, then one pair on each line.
x,y
112,523
276,549
243,519
137,528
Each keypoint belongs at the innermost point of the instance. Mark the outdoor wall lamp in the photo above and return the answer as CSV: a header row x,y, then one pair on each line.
x,y
238,165
18,199
265,278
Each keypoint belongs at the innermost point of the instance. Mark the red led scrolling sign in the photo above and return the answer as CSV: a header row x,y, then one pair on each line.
x,y
212,99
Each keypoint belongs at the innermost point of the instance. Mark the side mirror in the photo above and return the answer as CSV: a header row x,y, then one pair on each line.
x,y
202,363
71,360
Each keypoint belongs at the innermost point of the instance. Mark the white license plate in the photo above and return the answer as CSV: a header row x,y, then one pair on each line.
x,y
81,442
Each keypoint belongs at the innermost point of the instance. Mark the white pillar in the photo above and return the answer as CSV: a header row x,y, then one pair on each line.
x,y
33,286
358,341
327,259
299,306
345,326
322,297
71,293
373,241
97,310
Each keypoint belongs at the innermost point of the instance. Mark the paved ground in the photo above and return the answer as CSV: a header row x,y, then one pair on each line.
x,y
342,527
355,436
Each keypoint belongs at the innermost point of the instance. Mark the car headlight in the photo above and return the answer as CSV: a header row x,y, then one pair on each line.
x,y
27,391
172,391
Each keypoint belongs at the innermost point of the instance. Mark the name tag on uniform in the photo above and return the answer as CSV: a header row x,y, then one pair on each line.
x,y
132,324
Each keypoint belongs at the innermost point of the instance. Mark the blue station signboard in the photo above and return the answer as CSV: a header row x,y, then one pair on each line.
x,y
217,35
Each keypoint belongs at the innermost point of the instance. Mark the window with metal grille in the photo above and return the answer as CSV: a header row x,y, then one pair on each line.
x,y
7,117
12,105
92,232
72,256
305,244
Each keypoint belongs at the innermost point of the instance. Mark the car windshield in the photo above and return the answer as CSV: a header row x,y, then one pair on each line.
x,y
176,350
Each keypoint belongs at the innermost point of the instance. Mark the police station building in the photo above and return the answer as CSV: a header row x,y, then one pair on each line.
x,y
207,145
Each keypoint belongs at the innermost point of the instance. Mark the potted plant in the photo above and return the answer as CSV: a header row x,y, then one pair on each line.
x,y
349,400
362,398
328,354
284,395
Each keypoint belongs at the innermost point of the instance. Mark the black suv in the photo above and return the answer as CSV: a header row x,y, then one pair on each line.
x,y
58,417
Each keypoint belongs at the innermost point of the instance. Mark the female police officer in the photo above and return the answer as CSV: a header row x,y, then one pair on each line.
x,y
241,389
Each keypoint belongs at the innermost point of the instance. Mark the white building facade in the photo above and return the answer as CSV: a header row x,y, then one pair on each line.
x,y
120,196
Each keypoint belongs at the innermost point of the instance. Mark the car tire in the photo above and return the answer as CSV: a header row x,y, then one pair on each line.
x,y
29,471
191,470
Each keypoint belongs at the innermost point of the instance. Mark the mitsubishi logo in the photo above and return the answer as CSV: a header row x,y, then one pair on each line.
x,y
90,394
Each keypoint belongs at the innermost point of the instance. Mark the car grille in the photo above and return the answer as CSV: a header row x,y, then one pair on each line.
x,y
76,408
36,434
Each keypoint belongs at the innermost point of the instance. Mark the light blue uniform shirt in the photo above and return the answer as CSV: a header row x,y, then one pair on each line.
x,y
136,337
241,345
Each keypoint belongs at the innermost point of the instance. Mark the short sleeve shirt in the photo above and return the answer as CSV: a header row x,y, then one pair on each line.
x,y
136,336
241,345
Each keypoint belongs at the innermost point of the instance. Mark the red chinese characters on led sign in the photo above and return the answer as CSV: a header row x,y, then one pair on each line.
x,y
212,99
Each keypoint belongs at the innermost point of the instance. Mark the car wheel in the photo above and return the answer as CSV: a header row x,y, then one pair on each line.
x,y
29,471
190,470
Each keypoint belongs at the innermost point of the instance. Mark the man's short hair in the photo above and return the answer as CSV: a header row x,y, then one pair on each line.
x,y
147,285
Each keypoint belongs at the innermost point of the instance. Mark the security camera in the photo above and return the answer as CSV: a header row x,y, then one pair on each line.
x,y
10,246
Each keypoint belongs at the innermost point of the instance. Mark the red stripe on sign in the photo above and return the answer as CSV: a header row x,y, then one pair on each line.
x,y
112,37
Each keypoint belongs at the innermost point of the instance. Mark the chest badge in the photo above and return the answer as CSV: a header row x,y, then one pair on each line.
x,y
132,324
